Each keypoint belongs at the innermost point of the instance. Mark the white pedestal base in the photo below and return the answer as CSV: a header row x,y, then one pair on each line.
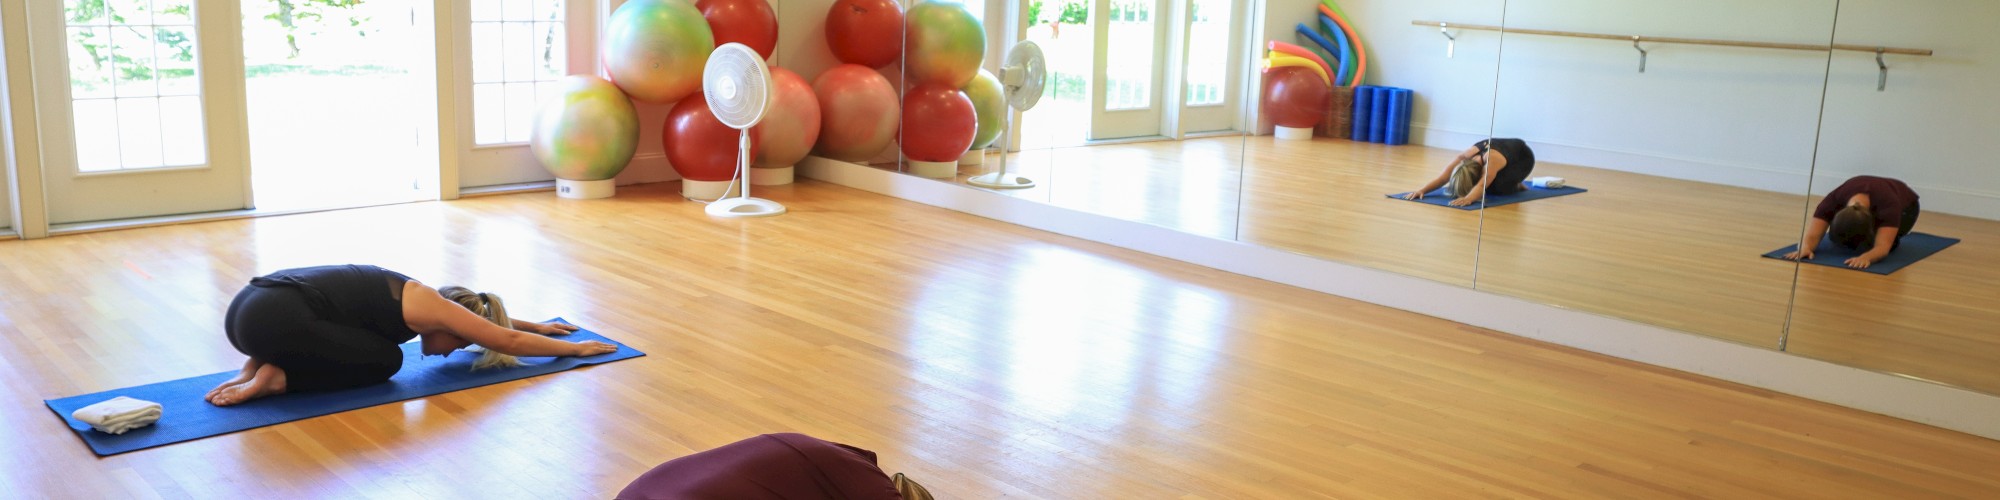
x,y
708,190
585,190
995,180
770,176
1294,133
934,169
973,157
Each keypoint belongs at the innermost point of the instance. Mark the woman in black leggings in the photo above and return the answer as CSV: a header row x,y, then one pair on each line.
x,y
336,327
1494,166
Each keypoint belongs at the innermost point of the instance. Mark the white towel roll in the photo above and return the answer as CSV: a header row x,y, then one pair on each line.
x,y
118,415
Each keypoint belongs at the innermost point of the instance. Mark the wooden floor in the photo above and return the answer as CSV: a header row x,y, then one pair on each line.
x,y
1669,252
987,359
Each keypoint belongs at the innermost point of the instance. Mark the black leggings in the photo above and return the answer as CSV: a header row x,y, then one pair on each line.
x,y
277,325
1910,214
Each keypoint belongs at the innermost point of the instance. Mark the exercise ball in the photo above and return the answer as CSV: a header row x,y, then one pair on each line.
x,y
938,123
1294,97
587,133
945,43
857,109
865,32
984,90
748,22
698,145
655,49
791,126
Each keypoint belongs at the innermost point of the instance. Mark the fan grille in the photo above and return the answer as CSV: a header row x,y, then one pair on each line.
x,y
737,85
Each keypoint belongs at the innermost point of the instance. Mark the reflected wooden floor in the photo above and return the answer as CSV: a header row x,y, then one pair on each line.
x,y
1661,251
987,359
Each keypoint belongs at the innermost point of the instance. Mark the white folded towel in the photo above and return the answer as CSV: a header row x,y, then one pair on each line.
x,y
119,414
1546,182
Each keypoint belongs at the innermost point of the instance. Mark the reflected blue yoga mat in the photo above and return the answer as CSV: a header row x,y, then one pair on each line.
x,y
1915,247
1493,200
185,416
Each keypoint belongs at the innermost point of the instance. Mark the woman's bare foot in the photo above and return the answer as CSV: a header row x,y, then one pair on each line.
x,y
269,381
249,370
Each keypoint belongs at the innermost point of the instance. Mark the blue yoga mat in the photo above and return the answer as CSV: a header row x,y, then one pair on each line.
x,y
1493,200
186,417
1915,247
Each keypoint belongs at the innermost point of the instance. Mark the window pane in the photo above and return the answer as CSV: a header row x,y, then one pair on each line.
x,y
96,135
519,10
139,132
548,52
185,140
129,12
84,11
173,12
89,62
1208,49
176,66
485,10
517,50
132,53
485,52
548,10
520,111
489,114
1130,58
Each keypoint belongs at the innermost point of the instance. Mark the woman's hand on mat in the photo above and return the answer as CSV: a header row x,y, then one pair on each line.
x,y
1860,262
551,328
1799,255
1413,195
1463,201
593,348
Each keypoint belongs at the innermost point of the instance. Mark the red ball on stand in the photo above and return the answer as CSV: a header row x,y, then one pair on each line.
x,y
865,32
1295,97
939,123
699,146
748,22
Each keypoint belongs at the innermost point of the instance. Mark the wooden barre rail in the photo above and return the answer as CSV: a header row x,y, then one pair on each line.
x,y
1685,41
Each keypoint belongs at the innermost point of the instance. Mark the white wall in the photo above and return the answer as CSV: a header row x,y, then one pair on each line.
x,y
1736,116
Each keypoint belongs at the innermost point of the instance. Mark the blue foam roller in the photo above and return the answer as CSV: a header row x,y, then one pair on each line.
x,y
1378,119
1364,100
1399,117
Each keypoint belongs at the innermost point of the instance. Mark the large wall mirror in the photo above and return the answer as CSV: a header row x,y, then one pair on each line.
x,y
1641,159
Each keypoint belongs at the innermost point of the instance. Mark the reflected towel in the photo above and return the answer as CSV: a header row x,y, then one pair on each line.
x,y
119,414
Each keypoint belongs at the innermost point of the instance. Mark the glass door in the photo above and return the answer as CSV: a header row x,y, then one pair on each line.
x,y
1211,67
140,103
1131,50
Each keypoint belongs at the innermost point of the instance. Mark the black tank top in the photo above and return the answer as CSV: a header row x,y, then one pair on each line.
x,y
1520,163
366,297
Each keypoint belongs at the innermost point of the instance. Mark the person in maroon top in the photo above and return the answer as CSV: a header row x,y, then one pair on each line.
x,y
774,466
1867,214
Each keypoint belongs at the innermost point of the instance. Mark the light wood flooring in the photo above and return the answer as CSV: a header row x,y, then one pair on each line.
x,y
986,359
1668,252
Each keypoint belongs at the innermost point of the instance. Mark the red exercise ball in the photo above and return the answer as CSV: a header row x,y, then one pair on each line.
x,y
698,145
857,109
1295,97
748,22
865,32
938,123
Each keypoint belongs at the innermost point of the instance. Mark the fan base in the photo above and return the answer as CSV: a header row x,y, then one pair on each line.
x,y
1294,133
770,176
934,169
997,180
585,190
744,207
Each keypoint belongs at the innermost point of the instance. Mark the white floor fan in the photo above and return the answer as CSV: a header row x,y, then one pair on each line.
x,y
737,85
1021,80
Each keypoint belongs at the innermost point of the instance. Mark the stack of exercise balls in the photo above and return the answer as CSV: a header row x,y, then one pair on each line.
x,y
585,136
946,46
857,105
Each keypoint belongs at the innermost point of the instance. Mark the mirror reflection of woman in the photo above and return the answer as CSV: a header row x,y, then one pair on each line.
x,y
1868,214
338,327
1496,166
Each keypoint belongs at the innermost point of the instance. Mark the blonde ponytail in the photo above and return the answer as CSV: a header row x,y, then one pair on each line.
x,y
488,306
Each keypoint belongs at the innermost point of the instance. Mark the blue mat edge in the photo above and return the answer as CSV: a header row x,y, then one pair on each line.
x,y
73,424
1566,191
1840,261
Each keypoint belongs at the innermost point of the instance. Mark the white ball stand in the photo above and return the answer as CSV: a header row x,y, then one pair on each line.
x,y
770,176
934,169
708,190
973,157
1294,133
585,190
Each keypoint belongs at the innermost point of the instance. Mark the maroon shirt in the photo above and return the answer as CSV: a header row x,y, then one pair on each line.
x,y
774,466
1887,197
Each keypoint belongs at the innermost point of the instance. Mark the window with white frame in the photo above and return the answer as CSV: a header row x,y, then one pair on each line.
x,y
1208,51
1129,56
517,57
135,87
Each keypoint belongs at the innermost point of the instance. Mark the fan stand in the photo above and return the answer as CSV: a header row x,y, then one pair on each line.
x,y
1000,179
744,206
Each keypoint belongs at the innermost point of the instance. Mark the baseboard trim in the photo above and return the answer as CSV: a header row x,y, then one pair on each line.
x,y
1887,394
